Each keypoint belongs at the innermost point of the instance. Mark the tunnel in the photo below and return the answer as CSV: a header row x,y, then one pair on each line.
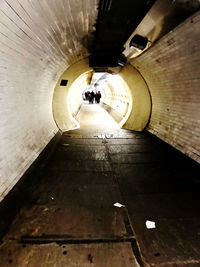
x,y
114,183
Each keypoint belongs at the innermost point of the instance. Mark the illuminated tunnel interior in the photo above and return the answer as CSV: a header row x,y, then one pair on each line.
x,y
125,194
130,100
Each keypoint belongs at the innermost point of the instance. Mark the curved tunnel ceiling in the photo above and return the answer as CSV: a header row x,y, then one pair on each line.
x,y
55,33
163,17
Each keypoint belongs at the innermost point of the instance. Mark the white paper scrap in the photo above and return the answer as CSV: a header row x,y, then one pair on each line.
x,y
150,224
118,205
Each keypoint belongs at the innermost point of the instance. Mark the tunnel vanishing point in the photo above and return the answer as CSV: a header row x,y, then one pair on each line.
x,y
144,55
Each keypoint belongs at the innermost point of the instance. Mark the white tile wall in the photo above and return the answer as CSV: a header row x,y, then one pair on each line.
x,y
39,39
171,69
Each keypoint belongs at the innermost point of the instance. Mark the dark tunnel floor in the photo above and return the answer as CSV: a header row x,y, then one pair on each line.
x,y
71,220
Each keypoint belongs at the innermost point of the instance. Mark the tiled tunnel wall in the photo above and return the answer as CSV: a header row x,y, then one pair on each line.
x,y
38,41
171,69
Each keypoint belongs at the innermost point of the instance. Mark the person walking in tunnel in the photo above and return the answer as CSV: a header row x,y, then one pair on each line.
x,y
89,97
98,97
92,97
95,97
86,95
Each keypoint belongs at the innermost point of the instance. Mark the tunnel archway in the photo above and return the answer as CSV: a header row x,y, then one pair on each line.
x,y
126,94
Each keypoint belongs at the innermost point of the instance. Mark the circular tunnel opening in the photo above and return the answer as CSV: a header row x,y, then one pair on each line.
x,y
125,96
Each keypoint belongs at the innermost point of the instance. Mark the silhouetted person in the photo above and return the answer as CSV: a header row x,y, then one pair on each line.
x,y
98,97
89,97
92,97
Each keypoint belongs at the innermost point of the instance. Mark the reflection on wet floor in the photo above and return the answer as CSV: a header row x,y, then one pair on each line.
x,y
70,217
94,118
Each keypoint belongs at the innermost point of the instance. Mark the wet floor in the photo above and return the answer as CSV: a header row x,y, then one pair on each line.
x,y
69,218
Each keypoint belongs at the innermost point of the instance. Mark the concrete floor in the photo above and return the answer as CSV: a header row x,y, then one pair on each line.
x,y
69,218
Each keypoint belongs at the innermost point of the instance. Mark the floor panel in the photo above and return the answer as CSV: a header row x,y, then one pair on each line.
x,y
82,255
